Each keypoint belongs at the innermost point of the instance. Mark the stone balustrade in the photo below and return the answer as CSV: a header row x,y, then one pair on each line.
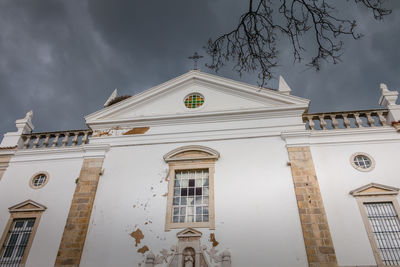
x,y
56,139
346,119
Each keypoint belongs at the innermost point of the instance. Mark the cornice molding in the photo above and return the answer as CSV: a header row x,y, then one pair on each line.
x,y
340,136
190,118
61,153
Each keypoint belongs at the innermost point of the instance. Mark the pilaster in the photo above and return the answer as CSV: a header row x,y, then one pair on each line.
x,y
74,236
314,223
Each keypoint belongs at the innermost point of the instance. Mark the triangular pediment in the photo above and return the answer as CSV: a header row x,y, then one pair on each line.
x,y
191,153
221,97
189,232
27,205
374,189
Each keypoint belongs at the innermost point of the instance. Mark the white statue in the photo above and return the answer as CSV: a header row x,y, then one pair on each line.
x,y
188,257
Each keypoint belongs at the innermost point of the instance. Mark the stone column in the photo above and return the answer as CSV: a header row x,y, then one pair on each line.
x,y
314,223
74,236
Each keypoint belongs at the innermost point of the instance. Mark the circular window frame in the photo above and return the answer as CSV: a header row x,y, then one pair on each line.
x,y
196,108
359,168
35,175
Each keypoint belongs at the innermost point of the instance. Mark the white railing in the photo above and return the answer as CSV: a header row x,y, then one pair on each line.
x,y
346,119
56,139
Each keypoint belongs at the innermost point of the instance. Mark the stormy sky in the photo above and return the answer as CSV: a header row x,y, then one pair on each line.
x,y
62,59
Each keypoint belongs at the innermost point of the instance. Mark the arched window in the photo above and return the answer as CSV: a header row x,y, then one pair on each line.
x,y
191,187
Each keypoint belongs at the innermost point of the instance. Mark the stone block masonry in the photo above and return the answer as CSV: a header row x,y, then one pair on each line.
x,y
73,239
314,223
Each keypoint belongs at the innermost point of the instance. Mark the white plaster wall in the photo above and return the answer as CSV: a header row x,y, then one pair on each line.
x,y
337,178
56,195
255,207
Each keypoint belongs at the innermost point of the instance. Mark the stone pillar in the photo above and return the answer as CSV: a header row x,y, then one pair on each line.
x,y
314,223
74,236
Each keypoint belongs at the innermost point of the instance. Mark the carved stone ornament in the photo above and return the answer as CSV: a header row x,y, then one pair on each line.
x,y
189,253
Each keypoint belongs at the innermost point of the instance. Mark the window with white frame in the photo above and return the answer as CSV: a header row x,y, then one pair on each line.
x,y
190,201
380,213
15,244
19,232
191,196
385,226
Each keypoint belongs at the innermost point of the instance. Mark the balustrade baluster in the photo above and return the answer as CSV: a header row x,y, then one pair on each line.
x,y
322,122
369,115
382,118
52,139
65,139
85,138
46,140
36,143
370,119
27,141
335,123
359,122
346,121
75,139
55,140
311,124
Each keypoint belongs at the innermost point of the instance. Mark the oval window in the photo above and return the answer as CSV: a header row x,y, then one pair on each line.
x,y
194,100
362,162
39,180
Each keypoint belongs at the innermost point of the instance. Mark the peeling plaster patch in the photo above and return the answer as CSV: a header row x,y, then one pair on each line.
x,y
134,206
143,249
138,130
98,133
212,239
137,235
164,195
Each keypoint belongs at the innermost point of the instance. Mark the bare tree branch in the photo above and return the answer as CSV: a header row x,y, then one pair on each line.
x,y
252,44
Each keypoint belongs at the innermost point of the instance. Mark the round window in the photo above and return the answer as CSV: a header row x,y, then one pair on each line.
x,y
362,162
194,100
39,180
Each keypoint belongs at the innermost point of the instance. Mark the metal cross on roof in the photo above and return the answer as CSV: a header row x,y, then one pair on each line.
x,y
195,57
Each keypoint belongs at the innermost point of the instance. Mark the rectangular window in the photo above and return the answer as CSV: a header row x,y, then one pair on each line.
x,y
16,242
385,226
191,196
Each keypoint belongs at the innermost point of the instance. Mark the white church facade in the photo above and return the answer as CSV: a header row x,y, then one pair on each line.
x,y
205,171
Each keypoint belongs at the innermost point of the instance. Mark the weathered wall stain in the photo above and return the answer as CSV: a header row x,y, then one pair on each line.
x,y
138,130
99,133
143,249
137,235
213,240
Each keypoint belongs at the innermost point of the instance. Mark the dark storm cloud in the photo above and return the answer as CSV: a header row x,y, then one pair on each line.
x,y
63,58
